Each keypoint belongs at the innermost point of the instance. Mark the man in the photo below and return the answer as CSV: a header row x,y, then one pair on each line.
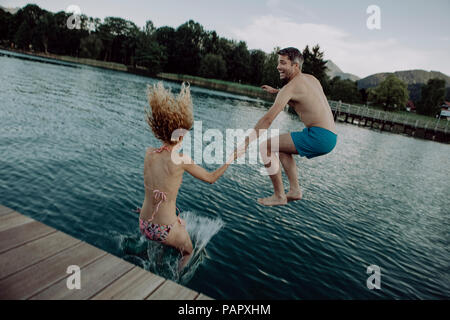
x,y
304,94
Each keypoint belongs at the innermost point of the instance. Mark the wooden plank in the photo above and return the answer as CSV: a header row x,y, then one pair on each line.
x,y
94,278
34,260
19,235
32,252
202,296
134,285
38,277
172,291
5,210
12,220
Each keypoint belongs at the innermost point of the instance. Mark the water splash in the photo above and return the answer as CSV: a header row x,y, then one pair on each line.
x,y
163,260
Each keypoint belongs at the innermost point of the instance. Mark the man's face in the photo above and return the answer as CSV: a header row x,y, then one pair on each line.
x,y
285,67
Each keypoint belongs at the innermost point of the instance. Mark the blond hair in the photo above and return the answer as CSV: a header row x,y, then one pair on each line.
x,y
168,113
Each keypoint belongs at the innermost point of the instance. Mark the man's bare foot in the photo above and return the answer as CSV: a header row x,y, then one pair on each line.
x,y
294,195
273,201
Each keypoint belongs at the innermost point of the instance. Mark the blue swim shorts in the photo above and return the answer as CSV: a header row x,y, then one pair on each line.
x,y
314,141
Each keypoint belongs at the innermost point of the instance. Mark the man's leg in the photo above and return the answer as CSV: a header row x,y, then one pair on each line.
x,y
268,149
290,168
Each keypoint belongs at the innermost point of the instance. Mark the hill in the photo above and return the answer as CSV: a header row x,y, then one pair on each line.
x,y
334,70
10,10
411,77
415,79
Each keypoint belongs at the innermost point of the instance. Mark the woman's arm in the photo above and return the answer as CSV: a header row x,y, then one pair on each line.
x,y
202,174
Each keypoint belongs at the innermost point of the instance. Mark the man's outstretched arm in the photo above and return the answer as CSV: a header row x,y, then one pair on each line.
x,y
283,97
269,89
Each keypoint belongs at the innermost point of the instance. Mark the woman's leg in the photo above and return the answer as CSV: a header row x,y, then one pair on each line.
x,y
179,238
186,250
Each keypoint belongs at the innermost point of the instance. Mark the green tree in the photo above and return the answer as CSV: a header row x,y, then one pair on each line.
x,y
63,40
344,90
271,75
257,59
238,63
391,93
165,36
91,47
119,38
224,46
28,19
44,31
433,96
364,95
314,64
149,53
213,66
189,38
23,36
210,43
415,91
5,25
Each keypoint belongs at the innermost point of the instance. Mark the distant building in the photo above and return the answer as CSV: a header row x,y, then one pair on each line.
x,y
445,110
410,106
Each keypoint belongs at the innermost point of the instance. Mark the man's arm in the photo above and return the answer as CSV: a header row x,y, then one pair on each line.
x,y
269,89
282,99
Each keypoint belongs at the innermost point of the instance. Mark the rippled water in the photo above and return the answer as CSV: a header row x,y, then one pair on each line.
x,y
72,144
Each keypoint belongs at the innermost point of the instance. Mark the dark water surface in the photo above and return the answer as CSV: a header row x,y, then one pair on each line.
x,y
72,144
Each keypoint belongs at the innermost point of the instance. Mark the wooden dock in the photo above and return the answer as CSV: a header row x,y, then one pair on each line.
x,y
34,260
437,130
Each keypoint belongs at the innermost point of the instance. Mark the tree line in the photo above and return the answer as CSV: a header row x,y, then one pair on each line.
x,y
188,49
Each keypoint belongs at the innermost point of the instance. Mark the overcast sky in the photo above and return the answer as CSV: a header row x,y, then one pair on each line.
x,y
414,34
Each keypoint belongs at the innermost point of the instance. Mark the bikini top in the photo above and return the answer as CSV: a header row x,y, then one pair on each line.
x,y
159,195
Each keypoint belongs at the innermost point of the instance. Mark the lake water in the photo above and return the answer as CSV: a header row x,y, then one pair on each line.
x,y
72,144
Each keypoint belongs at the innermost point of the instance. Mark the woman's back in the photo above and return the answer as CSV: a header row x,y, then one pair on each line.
x,y
169,119
162,179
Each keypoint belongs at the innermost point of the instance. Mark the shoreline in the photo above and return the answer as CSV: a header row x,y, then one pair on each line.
x,y
225,86
219,85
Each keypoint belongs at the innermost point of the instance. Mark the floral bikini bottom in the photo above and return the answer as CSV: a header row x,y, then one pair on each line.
x,y
154,231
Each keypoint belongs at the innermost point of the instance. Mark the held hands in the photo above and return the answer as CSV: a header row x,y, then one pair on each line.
x,y
269,89
240,150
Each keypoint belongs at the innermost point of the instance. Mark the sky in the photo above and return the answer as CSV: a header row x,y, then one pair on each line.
x,y
412,34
